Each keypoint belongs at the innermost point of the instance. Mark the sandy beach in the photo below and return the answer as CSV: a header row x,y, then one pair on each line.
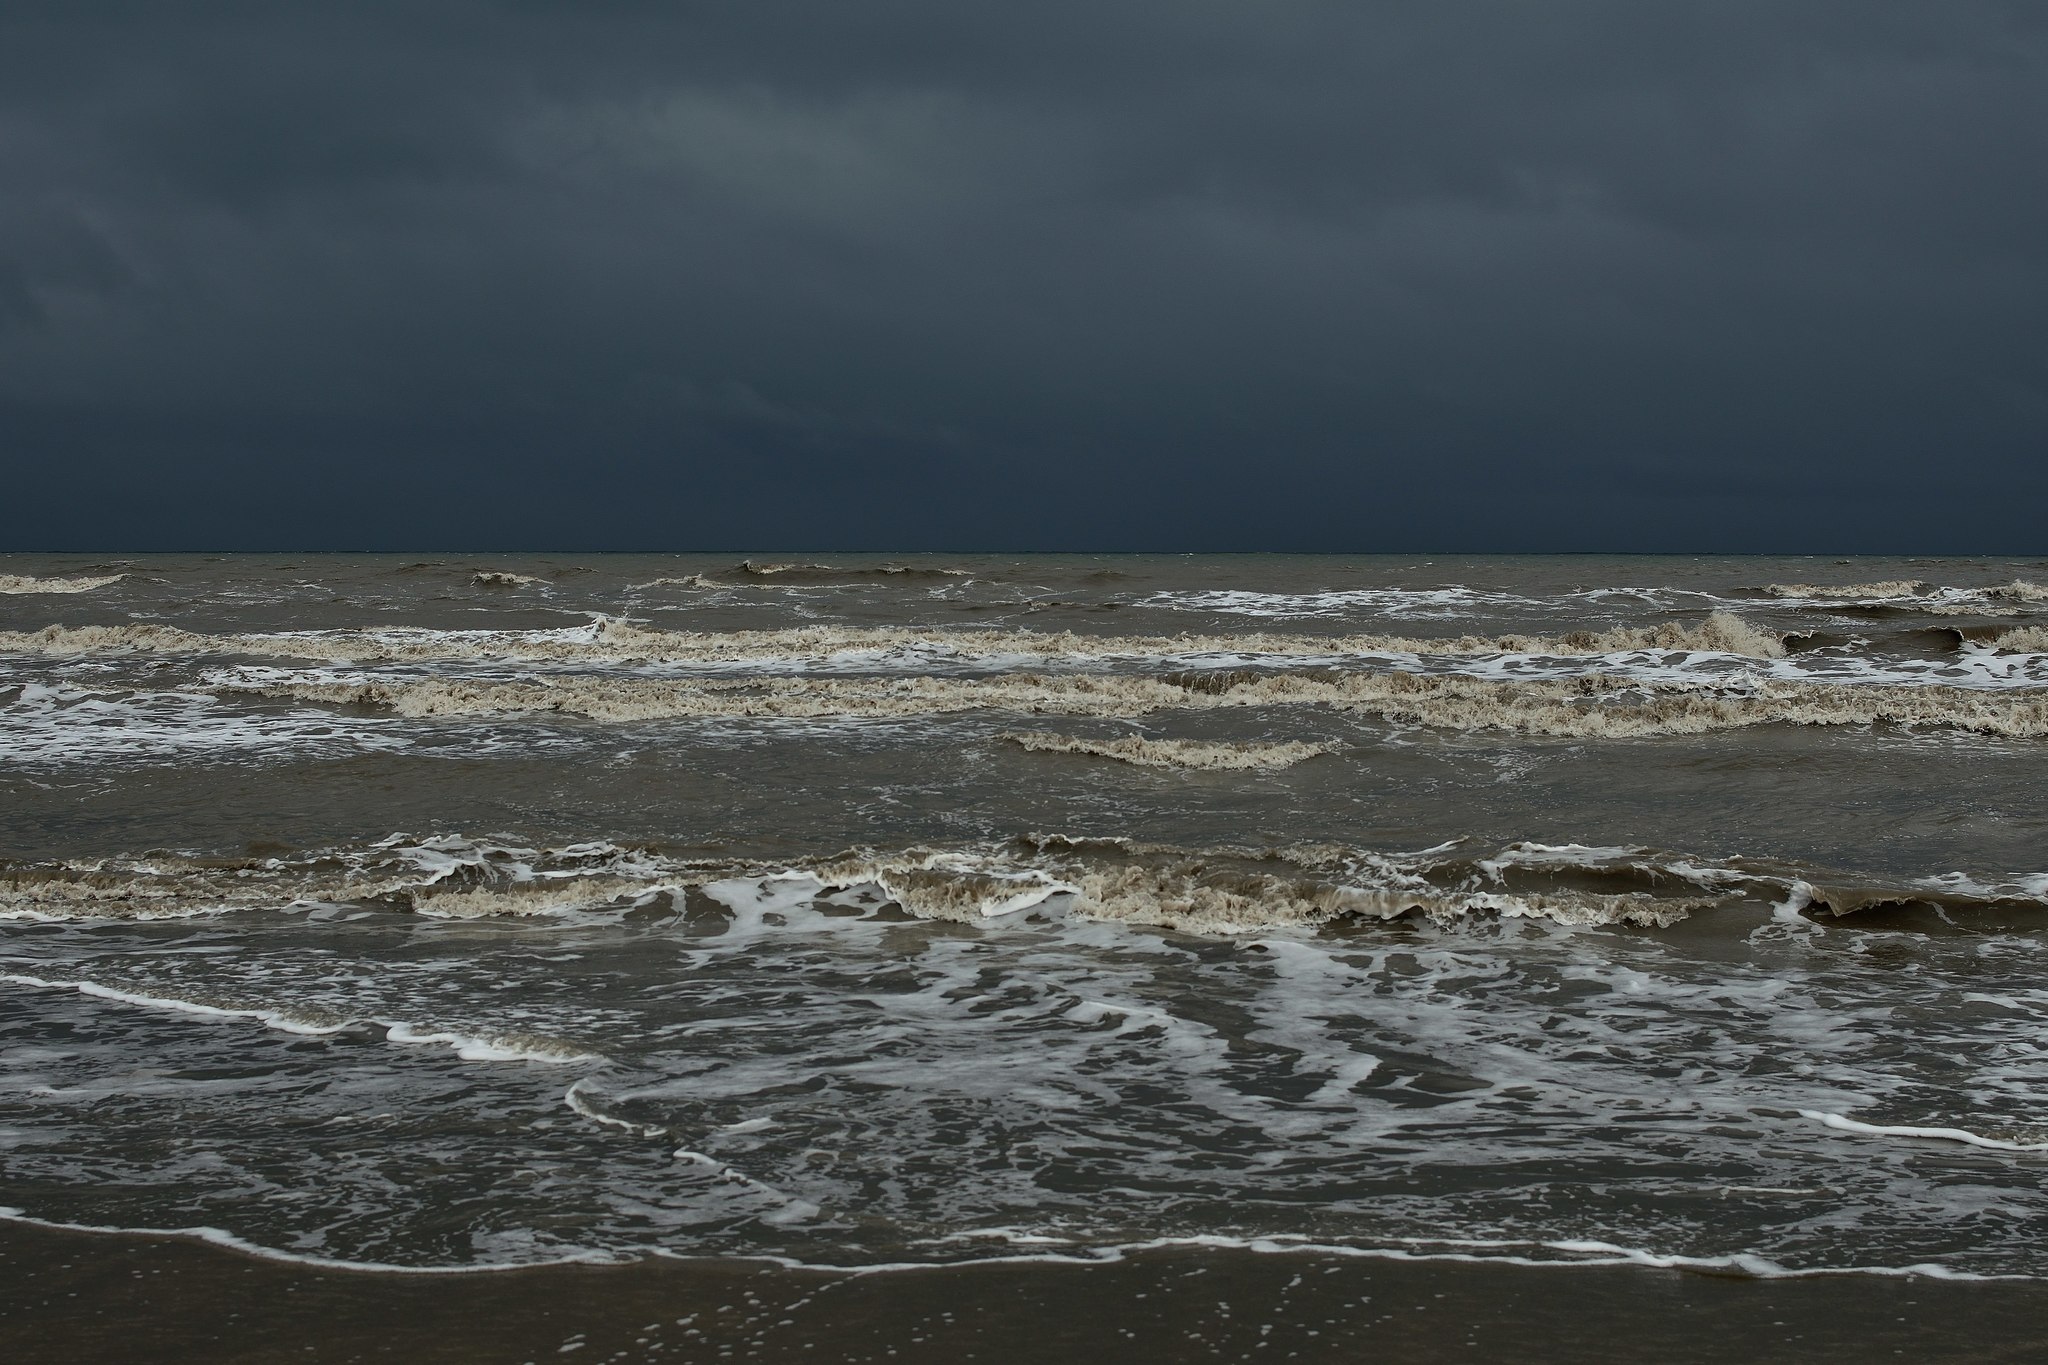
x,y
88,1298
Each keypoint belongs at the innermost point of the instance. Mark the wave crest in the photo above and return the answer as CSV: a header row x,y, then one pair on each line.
x,y
2023,640
14,583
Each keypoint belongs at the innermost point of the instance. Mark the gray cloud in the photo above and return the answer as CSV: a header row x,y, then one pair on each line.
x,y
1292,275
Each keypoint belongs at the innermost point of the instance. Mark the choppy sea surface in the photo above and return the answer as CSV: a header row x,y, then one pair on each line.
x,y
864,911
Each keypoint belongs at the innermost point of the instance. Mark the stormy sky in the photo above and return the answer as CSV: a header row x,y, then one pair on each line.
x,y
1123,274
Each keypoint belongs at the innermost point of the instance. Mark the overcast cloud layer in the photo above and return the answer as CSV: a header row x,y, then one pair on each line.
x,y
1122,274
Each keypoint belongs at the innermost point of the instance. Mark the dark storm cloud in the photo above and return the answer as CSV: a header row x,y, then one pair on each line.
x,y
1120,274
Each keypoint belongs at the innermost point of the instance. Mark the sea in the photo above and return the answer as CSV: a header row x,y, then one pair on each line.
x,y
440,912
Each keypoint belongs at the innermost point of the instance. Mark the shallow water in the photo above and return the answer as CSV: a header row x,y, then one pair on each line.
x,y
488,911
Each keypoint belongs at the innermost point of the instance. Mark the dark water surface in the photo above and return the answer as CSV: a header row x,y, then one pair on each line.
x,y
862,911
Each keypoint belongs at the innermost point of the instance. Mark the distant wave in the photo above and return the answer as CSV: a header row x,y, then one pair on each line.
x,y
829,573
1224,889
14,583
498,578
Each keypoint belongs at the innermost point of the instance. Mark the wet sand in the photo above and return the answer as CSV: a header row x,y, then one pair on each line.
x,y
90,1298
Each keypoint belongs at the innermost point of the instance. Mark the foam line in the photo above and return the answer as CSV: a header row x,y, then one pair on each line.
x,y
1963,1135
468,1047
228,1241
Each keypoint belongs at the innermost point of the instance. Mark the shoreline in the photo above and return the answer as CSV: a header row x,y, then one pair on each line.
x,y
91,1297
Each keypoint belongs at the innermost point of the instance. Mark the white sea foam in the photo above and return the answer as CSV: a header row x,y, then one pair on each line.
x,y
1414,603
573,1097
472,1047
64,724
1962,886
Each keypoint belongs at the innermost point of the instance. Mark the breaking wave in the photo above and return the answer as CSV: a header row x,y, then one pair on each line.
x,y
497,578
1589,707
610,640
2024,640
439,876
1889,588
695,580
1219,889
15,583
1171,753
1911,594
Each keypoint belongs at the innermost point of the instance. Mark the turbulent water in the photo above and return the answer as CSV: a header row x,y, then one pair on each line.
x,y
864,911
